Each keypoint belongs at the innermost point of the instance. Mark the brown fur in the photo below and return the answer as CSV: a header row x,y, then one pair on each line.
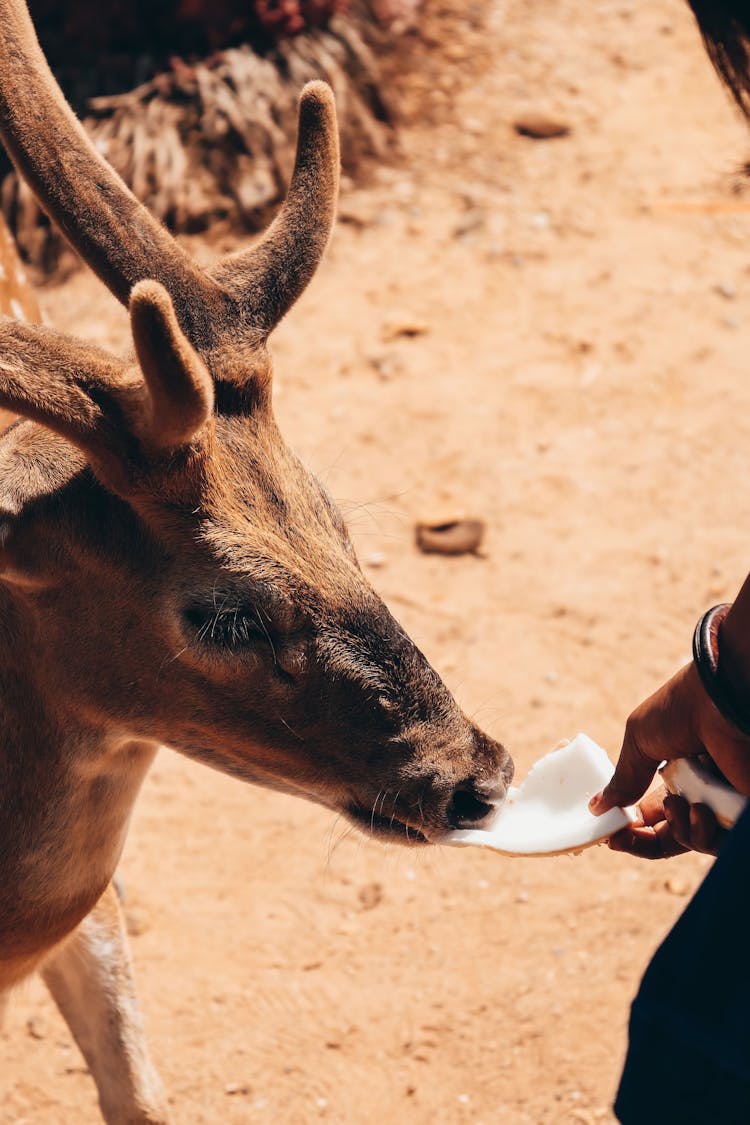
x,y
171,572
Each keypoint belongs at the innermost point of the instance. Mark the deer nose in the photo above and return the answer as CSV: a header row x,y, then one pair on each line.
x,y
474,802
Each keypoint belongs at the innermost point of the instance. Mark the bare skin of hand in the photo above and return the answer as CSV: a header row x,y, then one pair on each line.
x,y
677,721
669,826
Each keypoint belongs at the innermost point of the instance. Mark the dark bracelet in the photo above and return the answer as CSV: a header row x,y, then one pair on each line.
x,y
706,660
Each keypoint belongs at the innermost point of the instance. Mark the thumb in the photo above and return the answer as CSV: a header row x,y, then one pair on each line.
x,y
662,727
632,777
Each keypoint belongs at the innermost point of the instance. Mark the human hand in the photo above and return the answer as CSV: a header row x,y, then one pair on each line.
x,y
678,721
669,826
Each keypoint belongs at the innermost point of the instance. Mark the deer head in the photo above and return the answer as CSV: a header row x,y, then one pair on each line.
x,y
173,570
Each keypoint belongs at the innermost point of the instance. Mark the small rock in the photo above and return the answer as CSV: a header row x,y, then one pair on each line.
x,y
375,559
404,328
450,537
469,226
540,128
370,896
386,364
233,1088
35,1028
727,290
676,886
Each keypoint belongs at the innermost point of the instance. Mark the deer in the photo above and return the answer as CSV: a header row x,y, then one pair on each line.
x,y
171,574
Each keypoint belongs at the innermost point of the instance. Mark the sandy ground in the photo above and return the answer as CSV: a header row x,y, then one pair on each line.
x,y
575,375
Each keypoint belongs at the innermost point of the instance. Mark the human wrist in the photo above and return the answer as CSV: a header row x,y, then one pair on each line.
x,y
720,664
733,642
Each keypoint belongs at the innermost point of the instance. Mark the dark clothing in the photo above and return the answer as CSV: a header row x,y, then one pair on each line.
x,y
688,1062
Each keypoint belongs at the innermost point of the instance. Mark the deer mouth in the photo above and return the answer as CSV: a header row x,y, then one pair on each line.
x,y
386,827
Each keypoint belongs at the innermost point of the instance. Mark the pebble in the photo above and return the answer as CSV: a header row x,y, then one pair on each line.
x,y
376,559
469,226
399,329
540,128
370,896
233,1088
386,364
676,886
35,1028
450,537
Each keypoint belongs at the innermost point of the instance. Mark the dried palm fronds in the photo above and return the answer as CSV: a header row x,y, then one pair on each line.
x,y
213,139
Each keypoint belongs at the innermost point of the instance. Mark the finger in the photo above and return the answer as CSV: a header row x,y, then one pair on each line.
x,y
677,815
647,842
663,726
706,834
632,776
651,807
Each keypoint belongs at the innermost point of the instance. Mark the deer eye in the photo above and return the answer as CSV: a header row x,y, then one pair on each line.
x,y
229,627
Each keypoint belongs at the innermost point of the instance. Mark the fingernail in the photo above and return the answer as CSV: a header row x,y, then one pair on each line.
x,y
594,803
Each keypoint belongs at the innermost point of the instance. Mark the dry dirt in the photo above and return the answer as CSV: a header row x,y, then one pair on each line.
x,y
551,335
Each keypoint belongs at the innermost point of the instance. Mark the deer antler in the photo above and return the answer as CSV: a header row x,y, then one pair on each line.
x,y
267,279
123,243
113,232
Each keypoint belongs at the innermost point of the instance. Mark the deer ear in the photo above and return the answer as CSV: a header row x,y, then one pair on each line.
x,y
80,392
181,390
119,417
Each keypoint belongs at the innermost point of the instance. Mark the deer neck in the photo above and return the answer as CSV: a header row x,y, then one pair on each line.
x,y
67,791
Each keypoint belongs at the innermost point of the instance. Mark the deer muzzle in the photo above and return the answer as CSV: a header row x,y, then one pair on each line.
x,y
422,807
